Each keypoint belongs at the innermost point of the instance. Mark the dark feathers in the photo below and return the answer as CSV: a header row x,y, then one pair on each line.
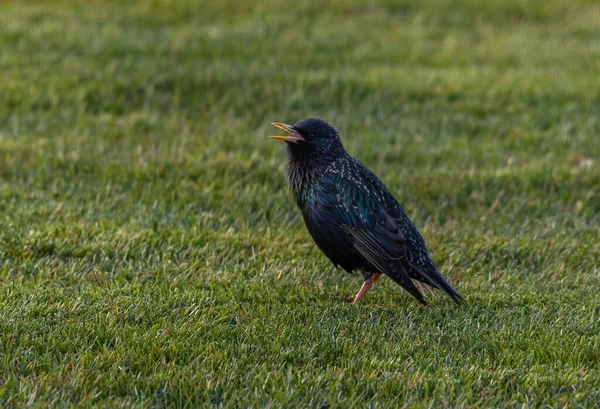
x,y
352,216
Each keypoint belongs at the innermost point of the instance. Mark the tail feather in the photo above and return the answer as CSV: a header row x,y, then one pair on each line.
x,y
424,288
433,277
408,284
392,269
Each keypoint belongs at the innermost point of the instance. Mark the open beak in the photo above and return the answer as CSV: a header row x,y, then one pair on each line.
x,y
293,137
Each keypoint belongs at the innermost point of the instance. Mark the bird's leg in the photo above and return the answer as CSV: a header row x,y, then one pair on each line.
x,y
365,288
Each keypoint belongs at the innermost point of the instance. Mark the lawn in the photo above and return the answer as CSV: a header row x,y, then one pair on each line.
x,y
152,256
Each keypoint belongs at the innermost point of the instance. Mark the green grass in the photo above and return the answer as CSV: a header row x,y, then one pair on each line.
x,y
150,254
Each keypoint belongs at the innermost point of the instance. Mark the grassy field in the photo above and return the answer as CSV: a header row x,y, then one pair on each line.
x,y
151,255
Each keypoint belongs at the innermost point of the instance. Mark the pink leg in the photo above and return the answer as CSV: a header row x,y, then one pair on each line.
x,y
365,288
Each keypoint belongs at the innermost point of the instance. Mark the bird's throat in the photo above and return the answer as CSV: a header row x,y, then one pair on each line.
x,y
302,171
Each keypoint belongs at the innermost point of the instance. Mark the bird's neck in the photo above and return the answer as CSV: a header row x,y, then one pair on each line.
x,y
303,169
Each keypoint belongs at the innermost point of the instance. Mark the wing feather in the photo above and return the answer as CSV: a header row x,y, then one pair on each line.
x,y
373,232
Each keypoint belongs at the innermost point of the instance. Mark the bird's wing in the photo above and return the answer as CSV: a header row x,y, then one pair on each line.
x,y
374,233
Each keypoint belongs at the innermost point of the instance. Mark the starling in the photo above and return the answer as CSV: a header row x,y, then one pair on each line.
x,y
352,216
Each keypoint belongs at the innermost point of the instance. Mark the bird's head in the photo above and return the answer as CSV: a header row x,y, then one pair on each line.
x,y
310,136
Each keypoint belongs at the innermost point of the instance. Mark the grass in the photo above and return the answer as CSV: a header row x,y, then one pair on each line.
x,y
150,254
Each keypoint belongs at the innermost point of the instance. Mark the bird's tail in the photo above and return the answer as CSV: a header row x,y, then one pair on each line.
x,y
433,277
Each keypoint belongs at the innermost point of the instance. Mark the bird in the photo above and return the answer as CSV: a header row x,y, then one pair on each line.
x,y
352,216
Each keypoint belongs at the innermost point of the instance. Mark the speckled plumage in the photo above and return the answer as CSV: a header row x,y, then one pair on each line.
x,y
351,214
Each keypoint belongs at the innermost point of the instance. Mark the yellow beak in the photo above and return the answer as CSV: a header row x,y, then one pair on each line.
x,y
294,137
